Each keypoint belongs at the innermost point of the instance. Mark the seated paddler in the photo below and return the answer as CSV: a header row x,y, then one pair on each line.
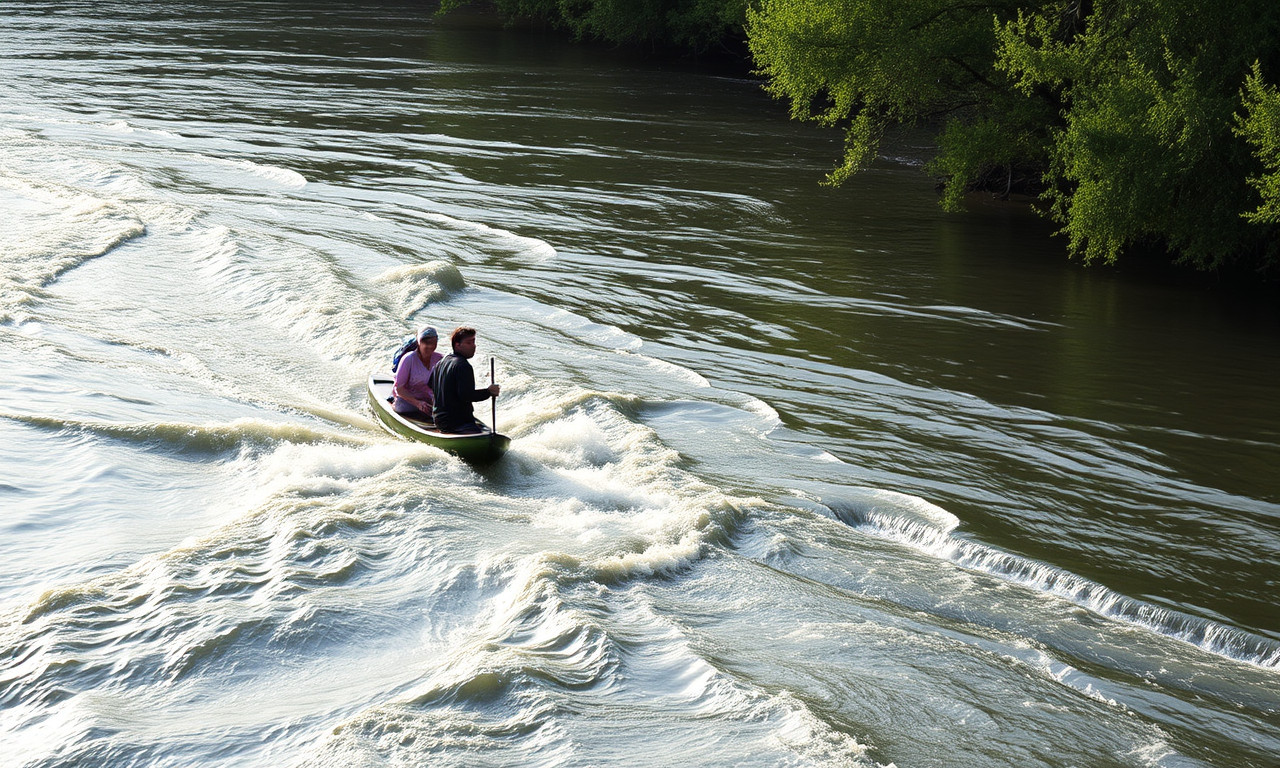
x,y
412,391
454,385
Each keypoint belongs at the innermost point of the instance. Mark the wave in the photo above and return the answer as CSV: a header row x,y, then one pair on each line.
x,y
282,177
529,249
279,575
550,658
415,286
294,290
936,537
618,498
48,230
201,439
124,126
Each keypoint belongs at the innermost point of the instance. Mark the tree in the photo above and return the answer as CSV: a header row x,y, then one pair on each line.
x,y
1260,126
865,64
1127,111
1145,152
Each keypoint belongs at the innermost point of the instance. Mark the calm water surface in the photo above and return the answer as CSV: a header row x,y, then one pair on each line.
x,y
800,476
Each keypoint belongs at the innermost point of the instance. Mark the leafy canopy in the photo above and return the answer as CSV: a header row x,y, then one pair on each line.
x,y
1260,126
864,64
1144,121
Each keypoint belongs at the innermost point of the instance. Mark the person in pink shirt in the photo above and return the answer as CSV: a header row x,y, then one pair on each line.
x,y
412,390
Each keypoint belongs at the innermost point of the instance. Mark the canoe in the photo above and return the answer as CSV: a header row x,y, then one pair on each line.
x,y
480,448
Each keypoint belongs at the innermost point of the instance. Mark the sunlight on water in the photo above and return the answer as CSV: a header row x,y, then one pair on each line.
x,y
799,476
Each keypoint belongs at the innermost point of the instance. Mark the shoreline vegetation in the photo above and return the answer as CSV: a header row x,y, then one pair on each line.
x,y
1148,131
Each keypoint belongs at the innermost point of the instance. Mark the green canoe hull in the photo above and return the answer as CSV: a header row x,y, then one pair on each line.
x,y
483,448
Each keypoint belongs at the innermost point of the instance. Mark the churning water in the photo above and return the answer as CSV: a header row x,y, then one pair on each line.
x,y
799,477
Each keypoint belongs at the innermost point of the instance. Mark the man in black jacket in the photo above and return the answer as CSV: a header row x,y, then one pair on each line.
x,y
454,384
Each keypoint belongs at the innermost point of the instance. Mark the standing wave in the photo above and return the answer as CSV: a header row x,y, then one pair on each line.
x,y
926,536
551,659
48,230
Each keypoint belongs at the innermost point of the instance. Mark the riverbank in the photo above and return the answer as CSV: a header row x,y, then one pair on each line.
x,y
1197,213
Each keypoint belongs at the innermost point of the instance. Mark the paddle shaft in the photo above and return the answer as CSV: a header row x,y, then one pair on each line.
x,y
493,414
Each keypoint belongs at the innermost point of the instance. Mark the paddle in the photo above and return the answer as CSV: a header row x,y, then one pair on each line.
x,y
493,414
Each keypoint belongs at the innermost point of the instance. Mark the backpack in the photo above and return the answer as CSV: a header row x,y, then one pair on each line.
x,y
409,344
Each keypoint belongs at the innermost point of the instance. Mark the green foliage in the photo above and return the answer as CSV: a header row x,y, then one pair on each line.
x,y
1260,126
1144,150
1126,110
999,152
863,64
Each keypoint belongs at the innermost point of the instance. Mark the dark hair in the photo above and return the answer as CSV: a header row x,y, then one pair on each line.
x,y
460,333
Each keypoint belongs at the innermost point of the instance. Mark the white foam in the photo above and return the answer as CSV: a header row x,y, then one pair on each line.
x,y
928,529
123,126
442,273
570,442
284,177
528,249
687,375
48,230
890,511
415,286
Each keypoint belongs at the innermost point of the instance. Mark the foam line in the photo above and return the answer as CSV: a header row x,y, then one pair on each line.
x,y
51,231
200,438
1227,642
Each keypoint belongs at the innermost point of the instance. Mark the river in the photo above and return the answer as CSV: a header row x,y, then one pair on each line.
x,y
800,476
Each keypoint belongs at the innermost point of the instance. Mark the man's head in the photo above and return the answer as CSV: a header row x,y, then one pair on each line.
x,y
463,340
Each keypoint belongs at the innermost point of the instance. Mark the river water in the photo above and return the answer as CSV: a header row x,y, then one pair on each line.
x,y
800,476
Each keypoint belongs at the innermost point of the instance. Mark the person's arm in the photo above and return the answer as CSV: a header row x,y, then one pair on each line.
x,y
421,405
469,391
